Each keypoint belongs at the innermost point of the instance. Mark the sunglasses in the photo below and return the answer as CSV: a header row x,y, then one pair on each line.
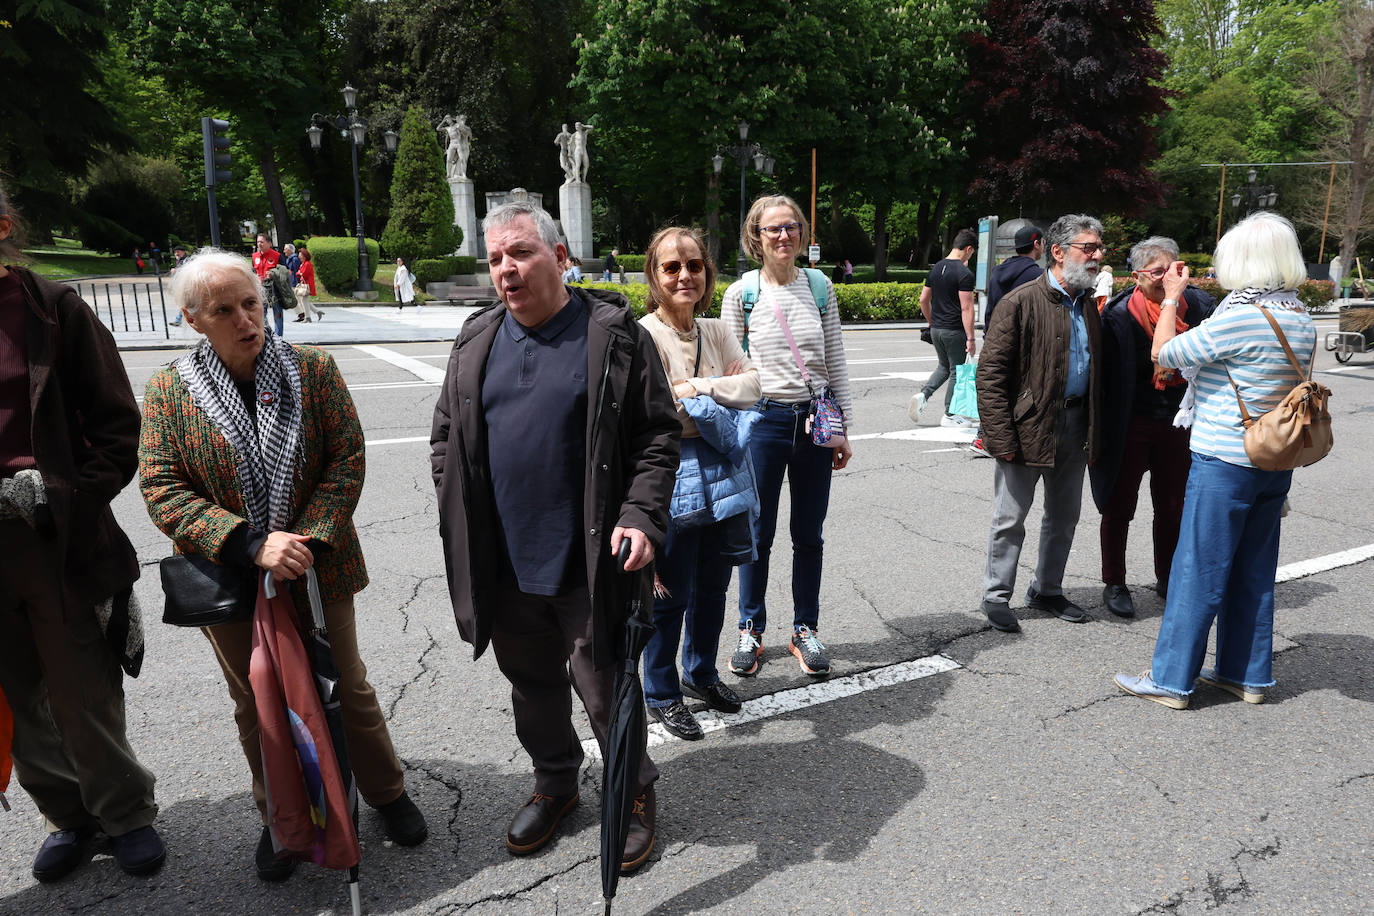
x,y
1088,248
673,268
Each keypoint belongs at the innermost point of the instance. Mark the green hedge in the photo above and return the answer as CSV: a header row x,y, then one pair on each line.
x,y
858,301
1315,294
633,263
436,270
336,261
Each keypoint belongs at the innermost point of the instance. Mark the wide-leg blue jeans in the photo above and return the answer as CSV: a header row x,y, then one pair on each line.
x,y
1229,546
696,575
781,446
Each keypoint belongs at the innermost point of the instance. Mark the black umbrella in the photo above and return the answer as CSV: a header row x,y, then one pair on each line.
x,y
626,734
326,672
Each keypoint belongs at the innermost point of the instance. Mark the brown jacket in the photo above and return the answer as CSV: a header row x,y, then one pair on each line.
x,y
633,440
85,435
1024,368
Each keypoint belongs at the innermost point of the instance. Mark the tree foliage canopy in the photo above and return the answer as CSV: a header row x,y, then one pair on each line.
x,y
421,223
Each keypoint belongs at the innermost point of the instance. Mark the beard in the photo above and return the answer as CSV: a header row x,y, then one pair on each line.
x,y
1081,275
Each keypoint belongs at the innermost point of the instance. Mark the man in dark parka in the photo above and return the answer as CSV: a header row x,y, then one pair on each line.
x,y
555,437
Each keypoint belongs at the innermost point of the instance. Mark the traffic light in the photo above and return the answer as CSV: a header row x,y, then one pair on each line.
x,y
215,135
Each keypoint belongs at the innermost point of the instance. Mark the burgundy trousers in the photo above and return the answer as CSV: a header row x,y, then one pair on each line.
x,y
1161,448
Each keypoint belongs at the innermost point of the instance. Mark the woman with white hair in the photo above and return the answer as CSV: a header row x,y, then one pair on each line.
x,y
251,455
1231,509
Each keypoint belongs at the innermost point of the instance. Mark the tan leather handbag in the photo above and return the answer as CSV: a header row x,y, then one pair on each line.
x,y
1297,432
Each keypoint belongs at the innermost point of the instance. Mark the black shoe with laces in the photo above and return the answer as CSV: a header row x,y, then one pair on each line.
x,y
678,720
1117,599
810,652
717,696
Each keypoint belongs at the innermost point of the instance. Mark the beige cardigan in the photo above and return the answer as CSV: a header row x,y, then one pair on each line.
x,y
719,348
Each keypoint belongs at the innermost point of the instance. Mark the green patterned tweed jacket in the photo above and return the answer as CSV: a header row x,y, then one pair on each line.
x,y
190,481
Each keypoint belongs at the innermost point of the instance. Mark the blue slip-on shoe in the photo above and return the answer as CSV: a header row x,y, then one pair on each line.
x,y
1235,688
1145,687
139,852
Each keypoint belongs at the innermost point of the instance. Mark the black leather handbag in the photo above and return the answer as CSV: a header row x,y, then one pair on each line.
x,y
202,593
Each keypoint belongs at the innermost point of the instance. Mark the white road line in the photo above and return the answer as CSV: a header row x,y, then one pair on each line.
x,y
802,697
1311,567
925,434
423,371
933,451
890,376
379,386
893,359
1347,369
401,441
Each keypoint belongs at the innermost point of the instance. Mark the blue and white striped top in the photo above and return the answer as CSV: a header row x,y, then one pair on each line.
x,y
1244,341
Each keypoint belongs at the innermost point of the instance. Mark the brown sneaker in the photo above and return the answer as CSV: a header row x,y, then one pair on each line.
x,y
639,842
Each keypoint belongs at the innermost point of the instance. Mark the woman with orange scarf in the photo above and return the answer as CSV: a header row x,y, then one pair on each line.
x,y
1140,403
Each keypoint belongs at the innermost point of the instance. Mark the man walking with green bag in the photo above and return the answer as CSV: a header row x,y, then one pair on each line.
x,y
947,302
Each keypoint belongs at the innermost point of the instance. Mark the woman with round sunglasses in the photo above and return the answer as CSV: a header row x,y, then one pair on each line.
x,y
706,536
787,300
1140,400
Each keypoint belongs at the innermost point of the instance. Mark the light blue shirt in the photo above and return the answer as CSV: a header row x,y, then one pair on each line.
x,y
1079,357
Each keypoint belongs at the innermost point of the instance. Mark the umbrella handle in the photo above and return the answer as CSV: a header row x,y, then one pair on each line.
x,y
622,555
312,589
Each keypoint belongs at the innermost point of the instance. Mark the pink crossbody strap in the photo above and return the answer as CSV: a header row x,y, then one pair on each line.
x,y
792,345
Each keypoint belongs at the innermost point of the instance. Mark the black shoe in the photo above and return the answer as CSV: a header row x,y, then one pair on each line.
x,y
639,841
1058,605
1117,598
62,852
269,867
1001,617
678,720
534,824
1162,587
404,824
717,696
139,852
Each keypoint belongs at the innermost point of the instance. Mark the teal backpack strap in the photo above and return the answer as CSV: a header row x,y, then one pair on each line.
x,y
748,297
818,290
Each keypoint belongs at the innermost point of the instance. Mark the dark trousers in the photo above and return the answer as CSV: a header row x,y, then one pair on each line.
x,y
951,349
370,753
65,689
781,446
1161,448
543,646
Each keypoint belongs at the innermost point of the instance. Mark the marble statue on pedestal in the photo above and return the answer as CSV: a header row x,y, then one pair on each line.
x,y
459,145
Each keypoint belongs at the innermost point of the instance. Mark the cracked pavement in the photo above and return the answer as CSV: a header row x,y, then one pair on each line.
x,y
1022,782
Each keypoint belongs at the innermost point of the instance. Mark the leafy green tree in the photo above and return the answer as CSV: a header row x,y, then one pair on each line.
x,y
421,224
54,124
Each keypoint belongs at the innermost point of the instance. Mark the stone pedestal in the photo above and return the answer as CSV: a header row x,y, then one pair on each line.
x,y
465,213
575,213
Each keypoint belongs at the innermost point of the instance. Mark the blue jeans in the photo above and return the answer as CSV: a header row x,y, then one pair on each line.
x,y
696,576
781,445
277,319
1230,535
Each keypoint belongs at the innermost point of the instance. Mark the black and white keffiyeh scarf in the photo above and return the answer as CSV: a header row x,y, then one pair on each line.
x,y
268,445
1271,297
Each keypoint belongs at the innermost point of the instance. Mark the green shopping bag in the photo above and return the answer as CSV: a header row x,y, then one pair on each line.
x,y
965,400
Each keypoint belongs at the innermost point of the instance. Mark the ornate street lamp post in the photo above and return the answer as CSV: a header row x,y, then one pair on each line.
x,y
353,128
743,155
1254,196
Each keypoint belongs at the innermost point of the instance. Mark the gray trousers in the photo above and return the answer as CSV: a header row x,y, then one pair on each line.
x,y
951,349
544,648
1013,494
65,688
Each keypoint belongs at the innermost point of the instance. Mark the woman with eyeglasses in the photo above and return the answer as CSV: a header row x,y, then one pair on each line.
x,y
1140,400
762,309
713,498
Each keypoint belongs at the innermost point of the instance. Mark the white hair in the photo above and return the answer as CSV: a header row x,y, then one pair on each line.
x,y
288,248
1260,251
1153,247
199,274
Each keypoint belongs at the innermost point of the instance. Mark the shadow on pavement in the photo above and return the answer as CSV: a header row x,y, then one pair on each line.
x,y
1326,661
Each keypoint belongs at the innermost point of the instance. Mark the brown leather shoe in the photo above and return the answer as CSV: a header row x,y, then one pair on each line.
x,y
534,824
639,842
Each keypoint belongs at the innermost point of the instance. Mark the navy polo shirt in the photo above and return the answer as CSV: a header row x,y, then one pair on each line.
x,y
534,397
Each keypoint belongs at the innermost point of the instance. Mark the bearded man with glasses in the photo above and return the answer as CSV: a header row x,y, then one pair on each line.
x,y
1039,392
1140,400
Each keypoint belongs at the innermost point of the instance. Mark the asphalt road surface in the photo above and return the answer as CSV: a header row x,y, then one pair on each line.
x,y
944,767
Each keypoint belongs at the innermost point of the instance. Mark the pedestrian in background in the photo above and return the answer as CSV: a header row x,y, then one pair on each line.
x,y
252,456
1139,402
775,234
948,306
265,257
574,272
68,445
1039,394
403,286
609,265
305,289
1103,290
532,513
292,261
714,498
1231,509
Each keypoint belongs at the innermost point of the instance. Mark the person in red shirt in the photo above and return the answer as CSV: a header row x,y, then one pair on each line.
x,y
307,274
265,258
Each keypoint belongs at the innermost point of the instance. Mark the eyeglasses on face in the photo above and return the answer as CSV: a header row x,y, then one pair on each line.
x,y
1088,248
673,268
777,232
1154,273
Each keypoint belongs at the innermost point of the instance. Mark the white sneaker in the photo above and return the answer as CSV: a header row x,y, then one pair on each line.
x,y
918,404
951,420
